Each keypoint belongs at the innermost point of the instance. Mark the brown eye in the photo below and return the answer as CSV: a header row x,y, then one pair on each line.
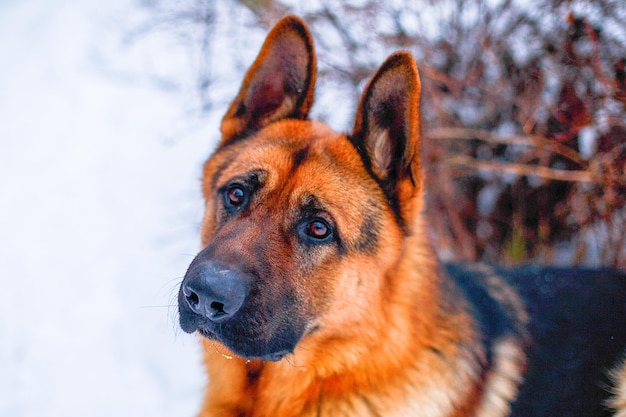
x,y
235,197
318,229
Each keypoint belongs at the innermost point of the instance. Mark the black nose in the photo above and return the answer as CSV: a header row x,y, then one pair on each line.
x,y
214,291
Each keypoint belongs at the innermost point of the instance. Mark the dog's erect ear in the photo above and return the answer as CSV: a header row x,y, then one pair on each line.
x,y
387,129
279,84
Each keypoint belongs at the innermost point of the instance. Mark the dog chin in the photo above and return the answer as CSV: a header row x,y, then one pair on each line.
x,y
251,349
241,340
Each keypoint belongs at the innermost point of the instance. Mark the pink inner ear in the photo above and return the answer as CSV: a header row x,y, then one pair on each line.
x,y
265,97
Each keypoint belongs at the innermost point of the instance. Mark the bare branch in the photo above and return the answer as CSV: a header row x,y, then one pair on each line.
x,y
524,170
524,140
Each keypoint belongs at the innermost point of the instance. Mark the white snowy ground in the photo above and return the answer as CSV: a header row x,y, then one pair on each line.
x,y
99,211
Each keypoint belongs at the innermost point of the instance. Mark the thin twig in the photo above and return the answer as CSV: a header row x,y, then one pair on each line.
x,y
526,140
524,170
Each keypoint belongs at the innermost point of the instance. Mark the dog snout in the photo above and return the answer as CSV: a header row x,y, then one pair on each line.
x,y
215,291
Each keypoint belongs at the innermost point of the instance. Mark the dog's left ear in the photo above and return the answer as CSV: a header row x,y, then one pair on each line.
x,y
387,130
280,83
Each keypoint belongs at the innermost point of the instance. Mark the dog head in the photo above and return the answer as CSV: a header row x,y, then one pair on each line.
x,y
303,225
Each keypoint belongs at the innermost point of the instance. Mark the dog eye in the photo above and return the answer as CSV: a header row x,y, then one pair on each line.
x,y
315,231
318,229
235,197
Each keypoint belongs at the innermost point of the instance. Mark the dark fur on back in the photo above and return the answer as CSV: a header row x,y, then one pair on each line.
x,y
575,333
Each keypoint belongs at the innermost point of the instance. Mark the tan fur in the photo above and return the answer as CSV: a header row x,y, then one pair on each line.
x,y
502,381
618,401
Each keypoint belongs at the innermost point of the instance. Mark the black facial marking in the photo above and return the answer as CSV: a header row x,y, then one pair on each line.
x,y
369,232
310,207
299,157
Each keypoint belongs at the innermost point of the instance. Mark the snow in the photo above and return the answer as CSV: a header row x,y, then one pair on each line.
x,y
99,213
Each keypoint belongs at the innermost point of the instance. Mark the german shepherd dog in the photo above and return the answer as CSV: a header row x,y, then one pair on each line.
x,y
317,292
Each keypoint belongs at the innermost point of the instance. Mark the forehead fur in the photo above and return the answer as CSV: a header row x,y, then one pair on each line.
x,y
286,149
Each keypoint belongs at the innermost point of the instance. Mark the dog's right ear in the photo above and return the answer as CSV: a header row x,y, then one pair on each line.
x,y
280,83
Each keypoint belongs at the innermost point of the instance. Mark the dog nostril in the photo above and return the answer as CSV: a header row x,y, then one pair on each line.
x,y
193,299
217,307
213,292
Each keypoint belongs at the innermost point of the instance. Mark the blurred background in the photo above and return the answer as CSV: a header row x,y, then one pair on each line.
x,y
108,109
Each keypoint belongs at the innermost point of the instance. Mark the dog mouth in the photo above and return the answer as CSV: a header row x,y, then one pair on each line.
x,y
246,336
247,352
226,304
